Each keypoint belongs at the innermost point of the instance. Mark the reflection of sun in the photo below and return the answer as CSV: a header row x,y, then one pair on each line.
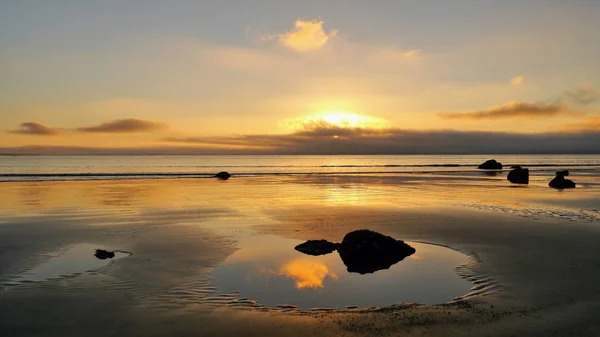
x,y
334,118
307,274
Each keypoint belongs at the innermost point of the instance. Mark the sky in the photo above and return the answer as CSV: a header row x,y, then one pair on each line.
x,y
299,77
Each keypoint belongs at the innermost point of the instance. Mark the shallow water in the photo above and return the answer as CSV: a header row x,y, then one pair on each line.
x,y
67,262
207,253
267,269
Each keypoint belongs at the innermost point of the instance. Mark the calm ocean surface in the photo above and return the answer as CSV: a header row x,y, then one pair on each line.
x,y
36,168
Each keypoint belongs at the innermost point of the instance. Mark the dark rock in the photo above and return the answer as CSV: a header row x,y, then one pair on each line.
x,y
317,247
364,251
518,175
560,182
564,173
104,254
491,164
223,175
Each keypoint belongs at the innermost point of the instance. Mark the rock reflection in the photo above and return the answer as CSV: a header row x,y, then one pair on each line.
x,y
307,273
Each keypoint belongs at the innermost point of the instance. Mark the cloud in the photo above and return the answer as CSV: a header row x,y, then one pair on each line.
x,y
591,124
124,125
36,129
306,36
511,110
518,80
412,53
341,140
336,140
585,94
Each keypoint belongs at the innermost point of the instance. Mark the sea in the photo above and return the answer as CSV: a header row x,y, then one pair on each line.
x,y
53,168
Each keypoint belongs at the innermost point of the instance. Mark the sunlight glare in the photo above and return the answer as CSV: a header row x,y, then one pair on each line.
x,y
334,118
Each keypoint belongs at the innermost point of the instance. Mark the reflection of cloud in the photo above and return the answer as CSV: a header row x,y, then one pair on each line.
x,y
37,129
518,80
306,36
511,110
307,273
124,125
586,93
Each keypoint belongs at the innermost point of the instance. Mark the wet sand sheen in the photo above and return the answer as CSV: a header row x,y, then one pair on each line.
x,y
181,233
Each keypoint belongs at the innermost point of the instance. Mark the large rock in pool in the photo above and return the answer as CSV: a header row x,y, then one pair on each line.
x,y
223,175
491,164
317,247
560,182
364,251
518,175
103,254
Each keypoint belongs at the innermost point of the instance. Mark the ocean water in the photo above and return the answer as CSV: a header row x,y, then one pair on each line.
x,y
41,168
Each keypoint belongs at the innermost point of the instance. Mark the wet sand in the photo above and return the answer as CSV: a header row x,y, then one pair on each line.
x,y
533,256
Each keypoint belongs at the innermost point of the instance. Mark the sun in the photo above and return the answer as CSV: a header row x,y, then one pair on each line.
x,y
334,119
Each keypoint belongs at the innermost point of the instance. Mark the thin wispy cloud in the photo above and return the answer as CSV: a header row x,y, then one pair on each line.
x,y
511,110
306,36
124,125
589,124
36,129
517,80
585,94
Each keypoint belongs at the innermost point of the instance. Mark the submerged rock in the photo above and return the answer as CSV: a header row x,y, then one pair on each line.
x,y
103,254
317,247
223,175
518,175
364,251
491,164
559,182
563,173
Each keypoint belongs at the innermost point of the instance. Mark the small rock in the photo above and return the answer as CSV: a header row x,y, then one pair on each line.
x,y
317,247
223,175
103,254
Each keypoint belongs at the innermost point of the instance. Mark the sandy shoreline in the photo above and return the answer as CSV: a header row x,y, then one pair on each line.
x,y
534,272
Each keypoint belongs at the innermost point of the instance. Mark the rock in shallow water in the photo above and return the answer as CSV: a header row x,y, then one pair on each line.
x,y
364,251
491,164
103,254
317,247
518,175
223,175
559,182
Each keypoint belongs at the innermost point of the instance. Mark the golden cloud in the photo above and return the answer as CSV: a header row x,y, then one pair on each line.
x,y
518,80
588,125
306,36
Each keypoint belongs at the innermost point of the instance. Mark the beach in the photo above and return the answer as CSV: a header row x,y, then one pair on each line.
x,y
526,260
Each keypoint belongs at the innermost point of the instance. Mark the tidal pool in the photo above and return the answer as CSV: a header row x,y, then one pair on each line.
x,y
73,260
268,270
